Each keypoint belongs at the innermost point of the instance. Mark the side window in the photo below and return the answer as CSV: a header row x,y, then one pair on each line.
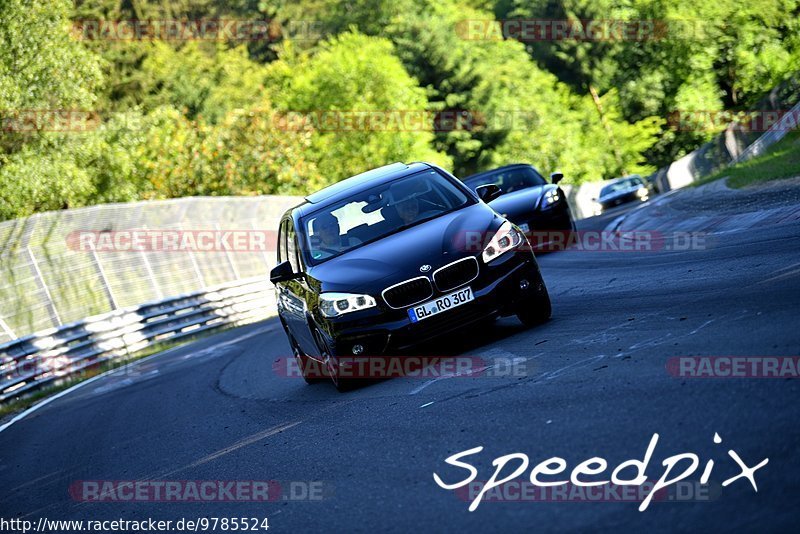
x,y
291,247
282,242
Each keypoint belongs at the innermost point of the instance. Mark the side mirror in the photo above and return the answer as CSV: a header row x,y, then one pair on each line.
x,y
556,177
283,273
488,192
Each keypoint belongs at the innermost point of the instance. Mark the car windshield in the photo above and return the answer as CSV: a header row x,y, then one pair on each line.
x,y
375,213
621,185
509,180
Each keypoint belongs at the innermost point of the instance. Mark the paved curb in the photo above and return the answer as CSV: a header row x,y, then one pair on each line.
x,y
614,225
659,215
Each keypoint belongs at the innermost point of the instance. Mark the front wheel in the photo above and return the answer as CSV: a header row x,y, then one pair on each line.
x,y
332,364
309,367
538,309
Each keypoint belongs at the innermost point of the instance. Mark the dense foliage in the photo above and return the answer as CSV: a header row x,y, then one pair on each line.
x,y
175,117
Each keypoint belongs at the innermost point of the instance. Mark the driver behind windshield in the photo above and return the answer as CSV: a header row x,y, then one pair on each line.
x,y
408,209
327,239
515,182
405,199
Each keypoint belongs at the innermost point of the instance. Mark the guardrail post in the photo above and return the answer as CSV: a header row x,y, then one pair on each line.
x,y
7,329
264,251
40,283
102,274
229,257
197,270
150,274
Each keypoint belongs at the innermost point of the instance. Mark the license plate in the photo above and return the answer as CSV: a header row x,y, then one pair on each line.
x,y
524,228
440,304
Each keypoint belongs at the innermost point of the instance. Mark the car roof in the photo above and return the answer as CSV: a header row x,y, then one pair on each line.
x,y
497,170
360,182
623,178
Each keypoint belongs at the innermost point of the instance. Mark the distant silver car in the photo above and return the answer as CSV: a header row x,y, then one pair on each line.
x,y
628,189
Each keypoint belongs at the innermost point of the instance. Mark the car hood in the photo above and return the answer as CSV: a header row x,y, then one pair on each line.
x,y
520,202
375,266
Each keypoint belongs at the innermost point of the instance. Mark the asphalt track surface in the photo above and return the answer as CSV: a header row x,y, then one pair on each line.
x,y
595,384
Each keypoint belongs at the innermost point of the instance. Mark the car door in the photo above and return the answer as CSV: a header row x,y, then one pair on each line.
x,y
293,295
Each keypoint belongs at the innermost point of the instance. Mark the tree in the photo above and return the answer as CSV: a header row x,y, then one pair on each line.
x,y
351,78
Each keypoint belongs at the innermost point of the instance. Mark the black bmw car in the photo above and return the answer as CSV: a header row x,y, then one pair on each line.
x,y
388,259
539,208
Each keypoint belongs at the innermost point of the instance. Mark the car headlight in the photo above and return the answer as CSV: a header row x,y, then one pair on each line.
x,y
507,238
642,192
550,198
336,304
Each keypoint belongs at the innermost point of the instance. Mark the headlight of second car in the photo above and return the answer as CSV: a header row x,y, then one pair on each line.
x,y
336,304
506,239
550,199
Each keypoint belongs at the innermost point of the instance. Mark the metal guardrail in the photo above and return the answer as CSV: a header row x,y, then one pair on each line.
x,y
46,282
777,132
48,356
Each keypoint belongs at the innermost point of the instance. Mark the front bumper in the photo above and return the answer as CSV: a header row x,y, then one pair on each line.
x,y
385,331
557,218
630,197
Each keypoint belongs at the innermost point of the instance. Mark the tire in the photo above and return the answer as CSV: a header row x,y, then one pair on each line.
x,y
539,310
332,364
306,363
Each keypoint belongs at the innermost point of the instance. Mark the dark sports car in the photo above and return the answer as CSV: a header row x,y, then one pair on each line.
x,y
620,191
539,208
390,258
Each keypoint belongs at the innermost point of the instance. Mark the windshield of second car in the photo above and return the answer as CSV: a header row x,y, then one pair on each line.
x,y
509,180
621,186
378,212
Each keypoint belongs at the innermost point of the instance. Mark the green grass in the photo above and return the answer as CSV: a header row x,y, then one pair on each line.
x,y
23,403
781,161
